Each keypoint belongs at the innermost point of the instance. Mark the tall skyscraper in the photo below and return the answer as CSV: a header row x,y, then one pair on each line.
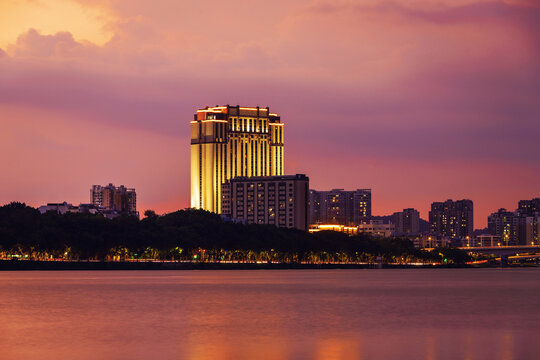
x,y
338,206
452,219
110,197
276,200
230,141
407,221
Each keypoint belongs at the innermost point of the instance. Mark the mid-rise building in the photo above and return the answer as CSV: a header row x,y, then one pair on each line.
x,y
59,208
520,227
65,208
339,206
229,142
379,228
407,221
506,225
276,200
110,197
452,219
529,207
532,230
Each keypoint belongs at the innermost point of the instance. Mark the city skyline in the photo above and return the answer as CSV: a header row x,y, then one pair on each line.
x,y
418,103
285,180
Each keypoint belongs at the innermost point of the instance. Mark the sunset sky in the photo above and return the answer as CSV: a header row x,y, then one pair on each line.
x,y
419,100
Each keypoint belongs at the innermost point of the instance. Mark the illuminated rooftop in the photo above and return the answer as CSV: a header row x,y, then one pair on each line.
x,y
237,110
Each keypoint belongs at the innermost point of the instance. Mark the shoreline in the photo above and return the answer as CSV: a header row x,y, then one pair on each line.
x,y
29,265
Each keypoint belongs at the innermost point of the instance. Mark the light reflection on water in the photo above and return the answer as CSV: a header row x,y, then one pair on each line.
x,y
432,314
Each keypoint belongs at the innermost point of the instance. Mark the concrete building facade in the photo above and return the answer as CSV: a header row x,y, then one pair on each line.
x,y
58,208
110,197
520,227
377,228
506,225
406,221
276,200
529,207
452,219
532,230
339,206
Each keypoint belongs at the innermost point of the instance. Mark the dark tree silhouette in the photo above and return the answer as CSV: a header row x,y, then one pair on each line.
x,y
190,234
150,214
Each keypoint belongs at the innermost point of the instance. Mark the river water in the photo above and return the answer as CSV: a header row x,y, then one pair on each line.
x,y
432,314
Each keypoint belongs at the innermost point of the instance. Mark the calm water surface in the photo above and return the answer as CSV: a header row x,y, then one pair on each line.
x,y
432,314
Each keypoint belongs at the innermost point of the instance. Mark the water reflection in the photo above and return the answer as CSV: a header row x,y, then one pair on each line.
x,y
430,348
336,349
507,344
403,314
468,346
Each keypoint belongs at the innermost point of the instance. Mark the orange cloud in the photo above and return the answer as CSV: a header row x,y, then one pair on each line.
x,y
52,16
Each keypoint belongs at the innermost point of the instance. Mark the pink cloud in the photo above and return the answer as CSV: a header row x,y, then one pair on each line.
x,y
33,44
440,13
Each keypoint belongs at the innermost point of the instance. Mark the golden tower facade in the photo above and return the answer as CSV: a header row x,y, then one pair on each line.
x,y
230,141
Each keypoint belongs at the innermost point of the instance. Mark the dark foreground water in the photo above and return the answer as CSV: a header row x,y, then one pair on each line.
x,y
432,314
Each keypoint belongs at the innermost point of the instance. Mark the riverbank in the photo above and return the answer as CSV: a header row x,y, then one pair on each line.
x,y
170,265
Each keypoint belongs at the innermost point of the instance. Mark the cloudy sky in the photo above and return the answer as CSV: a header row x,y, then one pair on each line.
x,y
419,100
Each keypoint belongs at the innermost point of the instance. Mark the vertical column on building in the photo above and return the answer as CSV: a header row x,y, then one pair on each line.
x,y
196,168
276,149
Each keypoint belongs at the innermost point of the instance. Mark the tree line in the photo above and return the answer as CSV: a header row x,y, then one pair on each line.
x,y
194,235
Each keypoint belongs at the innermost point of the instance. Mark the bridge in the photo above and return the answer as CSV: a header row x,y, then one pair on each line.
x,y
503,250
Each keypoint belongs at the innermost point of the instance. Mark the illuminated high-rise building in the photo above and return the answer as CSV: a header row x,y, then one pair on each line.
x,y
452,219
228,142
340,206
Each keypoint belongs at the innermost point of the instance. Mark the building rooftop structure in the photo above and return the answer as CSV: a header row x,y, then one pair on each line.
x,y
271,178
